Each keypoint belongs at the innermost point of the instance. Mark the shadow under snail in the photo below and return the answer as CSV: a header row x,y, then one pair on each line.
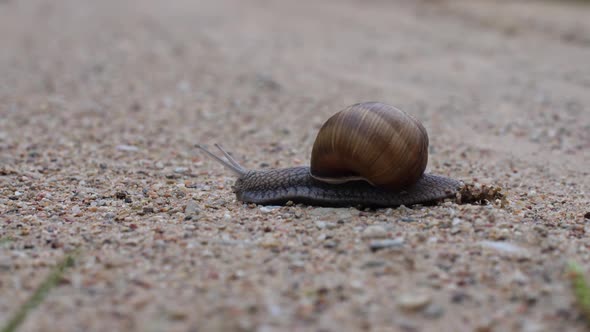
x,y
369,154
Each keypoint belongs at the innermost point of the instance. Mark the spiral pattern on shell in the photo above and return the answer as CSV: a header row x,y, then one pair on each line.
x,y
372,141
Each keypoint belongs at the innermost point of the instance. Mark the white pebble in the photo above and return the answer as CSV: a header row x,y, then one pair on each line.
x,y
414,301
503,247
374,232
320,224
76,209
127,148
268,209
180,170
386,243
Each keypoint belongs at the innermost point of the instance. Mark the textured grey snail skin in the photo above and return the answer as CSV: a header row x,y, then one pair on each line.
x,y
279,186
295,184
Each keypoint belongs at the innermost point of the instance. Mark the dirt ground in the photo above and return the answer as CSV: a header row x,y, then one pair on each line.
x,y
101,103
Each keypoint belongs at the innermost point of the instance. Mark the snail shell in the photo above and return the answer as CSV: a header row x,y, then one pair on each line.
x,y
370,141
374,142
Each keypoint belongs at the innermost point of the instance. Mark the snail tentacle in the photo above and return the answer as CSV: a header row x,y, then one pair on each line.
x,y
230,163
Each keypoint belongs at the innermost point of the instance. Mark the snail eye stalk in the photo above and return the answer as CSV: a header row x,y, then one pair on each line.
x,y
230,163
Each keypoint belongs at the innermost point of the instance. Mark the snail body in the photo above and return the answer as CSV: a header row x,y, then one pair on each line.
x,y
369,154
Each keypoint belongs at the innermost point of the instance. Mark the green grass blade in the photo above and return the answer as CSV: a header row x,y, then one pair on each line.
x,y
40,293
580,288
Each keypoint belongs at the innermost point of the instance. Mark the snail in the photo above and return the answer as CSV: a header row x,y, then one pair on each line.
x,y
369,154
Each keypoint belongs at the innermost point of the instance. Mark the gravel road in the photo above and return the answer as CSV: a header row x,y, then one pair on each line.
x,y
101,103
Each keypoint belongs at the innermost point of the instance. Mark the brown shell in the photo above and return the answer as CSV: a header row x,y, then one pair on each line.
x,y
372,141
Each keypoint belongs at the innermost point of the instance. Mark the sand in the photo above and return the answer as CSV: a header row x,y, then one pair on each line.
x,y
101,103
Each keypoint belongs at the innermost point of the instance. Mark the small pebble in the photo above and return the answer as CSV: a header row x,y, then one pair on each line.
x,y
342,214
383,244
322,211
486,324
518,277
76,210
331,225
374,232
320,224
408,326
127,148
503,247
192,209
180,170
121,195
268,209
373,264
226,217
329,244
455,230
414,300
269,242
433,311
459,297
530,325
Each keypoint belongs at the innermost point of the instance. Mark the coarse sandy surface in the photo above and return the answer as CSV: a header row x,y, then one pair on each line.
x,y
101,103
